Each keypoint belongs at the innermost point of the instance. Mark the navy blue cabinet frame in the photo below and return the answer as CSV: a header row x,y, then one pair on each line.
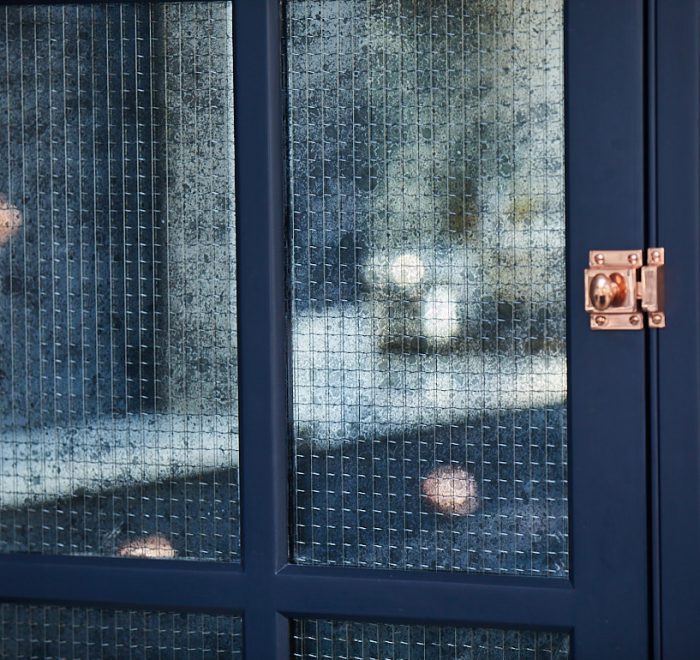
x,y
675,218
605,603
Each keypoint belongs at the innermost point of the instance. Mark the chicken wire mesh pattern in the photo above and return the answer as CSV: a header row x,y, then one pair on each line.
x,y
53,633
118,386
427,284
347,640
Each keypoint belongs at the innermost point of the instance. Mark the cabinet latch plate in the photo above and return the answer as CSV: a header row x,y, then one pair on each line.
x,y
623,293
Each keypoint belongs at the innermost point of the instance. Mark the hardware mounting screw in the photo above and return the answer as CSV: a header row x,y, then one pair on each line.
x,y
633,258
634,319
656,318
599,258
600,320
656,256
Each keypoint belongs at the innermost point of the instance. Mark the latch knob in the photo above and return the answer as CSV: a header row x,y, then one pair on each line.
x,y
616,296
608,291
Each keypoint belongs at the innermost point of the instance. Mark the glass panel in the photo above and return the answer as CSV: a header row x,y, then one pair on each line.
x,y
51,632
118,391
427,284
347,640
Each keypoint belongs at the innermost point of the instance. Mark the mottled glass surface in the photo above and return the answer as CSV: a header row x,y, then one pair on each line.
x,y
53,633
427,284
118,385
348,640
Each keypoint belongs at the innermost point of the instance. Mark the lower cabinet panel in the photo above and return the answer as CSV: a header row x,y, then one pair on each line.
x,y
51,632
353,640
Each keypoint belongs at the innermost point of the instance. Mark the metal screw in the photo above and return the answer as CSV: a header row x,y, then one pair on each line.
x,y
657,318
633,258
634,319
600,320
656,256
599,258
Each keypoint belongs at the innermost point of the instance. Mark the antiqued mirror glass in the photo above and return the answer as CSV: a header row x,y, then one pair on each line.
x,y
427,284
118,385
355,640
86,633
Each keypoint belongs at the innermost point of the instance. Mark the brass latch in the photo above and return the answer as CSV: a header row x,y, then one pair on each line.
x,y
620,291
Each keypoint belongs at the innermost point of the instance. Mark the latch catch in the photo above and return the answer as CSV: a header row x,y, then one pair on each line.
x,y
620,291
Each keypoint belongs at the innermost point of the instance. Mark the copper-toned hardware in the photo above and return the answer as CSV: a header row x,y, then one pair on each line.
x,y
652,286
618,284
608,291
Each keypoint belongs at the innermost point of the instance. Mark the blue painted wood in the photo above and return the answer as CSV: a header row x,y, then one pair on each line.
x,y
653,430
428,598
605,192
678,217
261,318
123,583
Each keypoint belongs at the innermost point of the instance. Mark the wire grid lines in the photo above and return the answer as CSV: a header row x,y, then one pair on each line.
x,y
52,632
118,384
427,271
351,640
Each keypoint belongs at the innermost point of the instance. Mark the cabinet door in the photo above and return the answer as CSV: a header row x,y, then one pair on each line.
x,y
675,217
400,407
438,457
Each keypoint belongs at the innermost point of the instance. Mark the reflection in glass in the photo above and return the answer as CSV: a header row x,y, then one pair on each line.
x,y
427,284
118,423
81,633
352,640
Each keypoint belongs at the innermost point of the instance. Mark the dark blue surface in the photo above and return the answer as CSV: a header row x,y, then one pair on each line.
x,y
605,186
678,226
261,319
653,340
605,604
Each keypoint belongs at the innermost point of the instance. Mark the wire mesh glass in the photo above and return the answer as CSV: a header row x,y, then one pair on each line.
x,y
427,284
348,640
51,633
118,385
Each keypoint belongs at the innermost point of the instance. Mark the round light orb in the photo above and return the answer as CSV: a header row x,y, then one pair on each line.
x,y
10,220
153,546
451,490
407,270
440,314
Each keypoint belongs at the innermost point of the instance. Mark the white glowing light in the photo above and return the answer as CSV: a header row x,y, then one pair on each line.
x,y
10,220
407,270
440,314
154,546
451,490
